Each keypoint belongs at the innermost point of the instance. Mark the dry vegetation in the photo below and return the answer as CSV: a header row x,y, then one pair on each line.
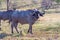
x,y
46,28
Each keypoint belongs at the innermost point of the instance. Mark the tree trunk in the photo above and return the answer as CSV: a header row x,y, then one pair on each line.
x,y
7,4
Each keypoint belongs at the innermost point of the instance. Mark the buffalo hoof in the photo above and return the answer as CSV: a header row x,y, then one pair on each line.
x,y
0,29
29,32
30,35
12,32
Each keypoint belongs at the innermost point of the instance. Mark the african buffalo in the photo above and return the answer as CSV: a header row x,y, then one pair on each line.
x,y
25,17
5,15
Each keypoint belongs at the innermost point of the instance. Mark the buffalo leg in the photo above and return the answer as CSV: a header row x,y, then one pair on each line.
x,y
30,29
12,27
10,20
16,27
0,24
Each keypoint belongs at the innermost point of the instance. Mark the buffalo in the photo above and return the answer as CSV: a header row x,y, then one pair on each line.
x,y
25,17
5,15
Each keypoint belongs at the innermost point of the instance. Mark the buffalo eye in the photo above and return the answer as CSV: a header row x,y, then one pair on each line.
x,y
35,15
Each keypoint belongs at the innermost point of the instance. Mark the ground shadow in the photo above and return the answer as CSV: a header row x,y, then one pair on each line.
x,y
3,35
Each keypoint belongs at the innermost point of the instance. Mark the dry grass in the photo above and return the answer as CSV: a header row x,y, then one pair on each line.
x,y
47,28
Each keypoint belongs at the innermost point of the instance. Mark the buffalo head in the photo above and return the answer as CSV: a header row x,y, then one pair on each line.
x,y
37,13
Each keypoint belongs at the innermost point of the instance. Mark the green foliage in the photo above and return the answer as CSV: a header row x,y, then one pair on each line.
x,y
57,1
2,0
